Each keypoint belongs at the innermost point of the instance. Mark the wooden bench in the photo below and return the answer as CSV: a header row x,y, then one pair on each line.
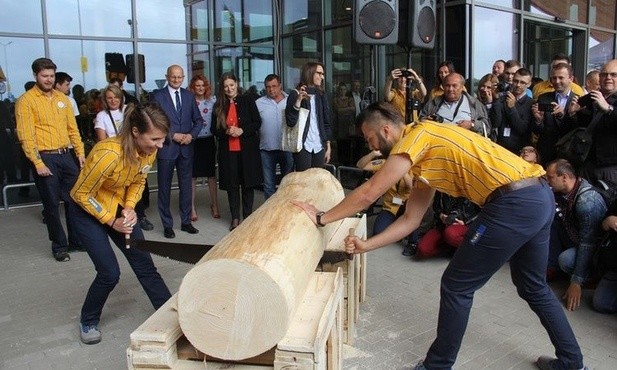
x,y
313,340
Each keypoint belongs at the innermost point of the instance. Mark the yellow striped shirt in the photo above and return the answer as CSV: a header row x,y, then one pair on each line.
x,y
107,181
459,162
46,123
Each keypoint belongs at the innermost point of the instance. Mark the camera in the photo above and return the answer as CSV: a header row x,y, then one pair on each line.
x,y
545,107
435,117
585,101
405,73
451,217
311,90
503,87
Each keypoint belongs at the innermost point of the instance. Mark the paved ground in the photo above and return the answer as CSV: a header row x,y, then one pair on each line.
x,y
41,299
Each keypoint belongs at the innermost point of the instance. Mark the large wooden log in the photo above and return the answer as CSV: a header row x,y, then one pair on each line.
x,y
237,302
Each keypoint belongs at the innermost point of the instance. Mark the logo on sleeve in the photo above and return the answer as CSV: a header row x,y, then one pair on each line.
x,y
95,204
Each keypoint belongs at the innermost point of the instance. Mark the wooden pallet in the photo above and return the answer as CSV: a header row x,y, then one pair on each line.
x,y
313,340
354,274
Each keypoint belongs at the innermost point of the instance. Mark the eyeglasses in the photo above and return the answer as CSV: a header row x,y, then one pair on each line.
x,y
528,150
606,74
175,77
322,74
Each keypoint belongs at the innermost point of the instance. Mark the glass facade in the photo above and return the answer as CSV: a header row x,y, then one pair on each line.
x,y
255,38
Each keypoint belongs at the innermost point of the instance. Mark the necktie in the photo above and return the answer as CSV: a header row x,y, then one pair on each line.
x,y
178,105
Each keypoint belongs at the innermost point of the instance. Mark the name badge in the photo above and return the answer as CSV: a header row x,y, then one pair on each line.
x,y
506,132
398,201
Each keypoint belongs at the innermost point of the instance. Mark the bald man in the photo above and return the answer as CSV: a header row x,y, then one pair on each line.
x,y
458,107
185,122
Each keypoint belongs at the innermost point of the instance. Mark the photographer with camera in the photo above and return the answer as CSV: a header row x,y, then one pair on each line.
x,y
398,96
309,94
458,107
598,108
550,121
452,215
510,114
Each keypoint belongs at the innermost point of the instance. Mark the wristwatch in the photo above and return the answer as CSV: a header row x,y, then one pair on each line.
x,y
609,109
318,218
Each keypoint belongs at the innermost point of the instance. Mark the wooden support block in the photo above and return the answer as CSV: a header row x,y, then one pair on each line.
x,y
354,272
312,342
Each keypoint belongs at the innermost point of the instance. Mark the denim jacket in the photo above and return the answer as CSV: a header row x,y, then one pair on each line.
x,y
586,218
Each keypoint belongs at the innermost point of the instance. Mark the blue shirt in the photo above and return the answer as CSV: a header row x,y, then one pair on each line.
x,y
271,131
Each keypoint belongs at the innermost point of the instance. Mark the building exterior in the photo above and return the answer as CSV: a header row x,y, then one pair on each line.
x,y
256,37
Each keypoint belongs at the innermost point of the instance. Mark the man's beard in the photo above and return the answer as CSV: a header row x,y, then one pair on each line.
x,y
384,147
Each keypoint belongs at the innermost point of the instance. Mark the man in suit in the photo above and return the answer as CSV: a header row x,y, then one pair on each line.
x,y
185,122
551,120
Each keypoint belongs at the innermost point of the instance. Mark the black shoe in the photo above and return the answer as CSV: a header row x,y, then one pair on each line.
x,y
410,249
234,223
145,224
62,256
169,233
189,228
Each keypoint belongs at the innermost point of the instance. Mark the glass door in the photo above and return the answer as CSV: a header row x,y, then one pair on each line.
x,y
542,41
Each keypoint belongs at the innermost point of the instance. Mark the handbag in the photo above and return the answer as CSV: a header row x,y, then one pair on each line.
x,y
576,144
292,136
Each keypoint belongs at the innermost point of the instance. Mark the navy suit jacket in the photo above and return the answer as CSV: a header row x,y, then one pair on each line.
x,y
189,121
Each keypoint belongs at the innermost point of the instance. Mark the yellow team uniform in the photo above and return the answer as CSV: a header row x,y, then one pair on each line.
x,y
435,152
393,198
546,86
399,102
46,123
107,181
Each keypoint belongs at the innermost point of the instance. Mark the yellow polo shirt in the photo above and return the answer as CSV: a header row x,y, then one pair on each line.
x,y
46,123
107,180
459,162
393,198
546,86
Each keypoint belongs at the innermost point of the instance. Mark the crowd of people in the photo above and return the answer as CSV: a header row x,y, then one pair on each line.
x,y
471,168
530,118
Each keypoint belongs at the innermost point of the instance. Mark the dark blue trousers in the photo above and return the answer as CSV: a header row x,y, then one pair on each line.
x,y
96,241
165,172
514,227
56,188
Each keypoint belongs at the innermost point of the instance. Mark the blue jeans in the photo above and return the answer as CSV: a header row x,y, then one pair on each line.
x,y
269,160
514,227
53,189
96,241
567,260
605,296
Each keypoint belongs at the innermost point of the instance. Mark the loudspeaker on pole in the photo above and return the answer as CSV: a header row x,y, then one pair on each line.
x,y
376,21
417,26
130,76
114,66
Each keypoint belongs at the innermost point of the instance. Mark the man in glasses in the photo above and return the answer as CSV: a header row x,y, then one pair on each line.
x,y
601,163
511,114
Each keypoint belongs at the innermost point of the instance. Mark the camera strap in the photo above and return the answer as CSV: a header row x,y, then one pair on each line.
x,y
458,106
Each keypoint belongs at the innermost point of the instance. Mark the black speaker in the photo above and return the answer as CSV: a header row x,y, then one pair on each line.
x,y
130,76
375,21
418,23
114,62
